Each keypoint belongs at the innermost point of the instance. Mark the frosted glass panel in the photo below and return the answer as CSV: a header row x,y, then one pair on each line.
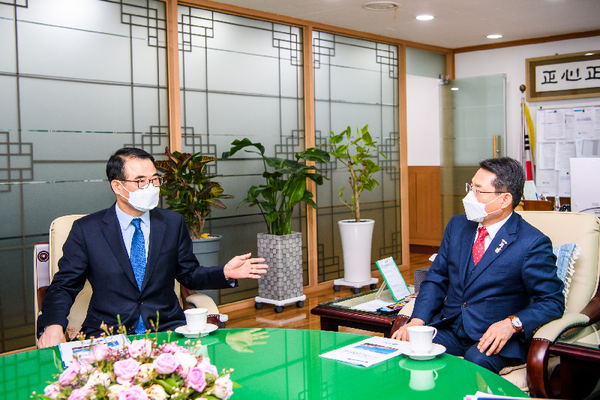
x,y
425,63
473,112
240,78
79,79
356,83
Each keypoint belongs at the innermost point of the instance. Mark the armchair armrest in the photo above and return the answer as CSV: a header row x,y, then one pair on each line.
x,y
537,358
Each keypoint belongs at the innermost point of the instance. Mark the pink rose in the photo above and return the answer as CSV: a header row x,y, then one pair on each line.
x,y
69,374
52,390
126,370
133,393
140,348
173,348
79,394
223,387
97,353
207,367
196,379
166,363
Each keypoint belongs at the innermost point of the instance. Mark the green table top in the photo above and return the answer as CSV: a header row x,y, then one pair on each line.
x,y
285,364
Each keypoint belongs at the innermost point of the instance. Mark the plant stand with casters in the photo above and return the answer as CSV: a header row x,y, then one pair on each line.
x,y
372,283
279,304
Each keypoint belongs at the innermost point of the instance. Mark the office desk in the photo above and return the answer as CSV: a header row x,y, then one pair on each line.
x,y
288,366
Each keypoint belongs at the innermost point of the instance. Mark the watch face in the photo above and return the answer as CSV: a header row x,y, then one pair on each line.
x,y
517,322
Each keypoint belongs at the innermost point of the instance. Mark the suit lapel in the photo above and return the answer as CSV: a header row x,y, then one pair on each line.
x,y
157,233
503,239
114,238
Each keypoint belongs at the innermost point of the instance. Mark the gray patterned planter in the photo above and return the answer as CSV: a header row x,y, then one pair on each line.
x,y
283,280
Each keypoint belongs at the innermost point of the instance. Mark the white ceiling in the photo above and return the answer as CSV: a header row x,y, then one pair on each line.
x,y
457,23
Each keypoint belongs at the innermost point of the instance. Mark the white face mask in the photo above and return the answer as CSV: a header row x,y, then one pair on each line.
x,y
474,209
143,199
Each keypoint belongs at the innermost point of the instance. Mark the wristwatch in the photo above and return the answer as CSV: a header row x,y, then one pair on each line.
x,y
516,323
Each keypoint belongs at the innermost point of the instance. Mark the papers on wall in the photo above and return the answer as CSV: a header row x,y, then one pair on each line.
x,y
562,134
76,350
367,352
393,278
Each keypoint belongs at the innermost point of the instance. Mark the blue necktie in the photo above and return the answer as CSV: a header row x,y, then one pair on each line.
x,y
137,257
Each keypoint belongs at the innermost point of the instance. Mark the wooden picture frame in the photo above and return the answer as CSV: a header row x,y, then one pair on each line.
x,y
574,60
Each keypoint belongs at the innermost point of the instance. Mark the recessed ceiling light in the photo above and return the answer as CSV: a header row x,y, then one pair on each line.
x,y
381,5
589,54
494,36
424,17
454,88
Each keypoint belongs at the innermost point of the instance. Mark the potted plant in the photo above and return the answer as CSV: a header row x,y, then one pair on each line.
x,y
284,188
192,192
356,234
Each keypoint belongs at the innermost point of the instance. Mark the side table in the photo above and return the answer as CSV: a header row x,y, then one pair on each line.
x,y
579,361
338,313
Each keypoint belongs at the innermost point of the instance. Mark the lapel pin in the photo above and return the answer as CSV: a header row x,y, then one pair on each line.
x,y
500,246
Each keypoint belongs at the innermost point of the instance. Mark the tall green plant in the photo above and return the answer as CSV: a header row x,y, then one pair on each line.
x,y
189,190
355,155
285,184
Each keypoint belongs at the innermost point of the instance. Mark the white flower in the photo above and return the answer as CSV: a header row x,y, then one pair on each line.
x,y
156,392
187,362
144,372
97,378
113,391
223,387
52,390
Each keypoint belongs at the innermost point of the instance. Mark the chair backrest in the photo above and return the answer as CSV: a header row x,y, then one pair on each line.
x,y
59,231
580,228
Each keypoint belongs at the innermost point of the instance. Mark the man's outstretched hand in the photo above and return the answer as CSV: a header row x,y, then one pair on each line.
x,y
241,267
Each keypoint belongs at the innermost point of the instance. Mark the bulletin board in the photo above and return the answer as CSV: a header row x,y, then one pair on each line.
x,y
563,133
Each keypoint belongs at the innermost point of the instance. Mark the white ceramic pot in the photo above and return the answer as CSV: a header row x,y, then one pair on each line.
x,y
356,246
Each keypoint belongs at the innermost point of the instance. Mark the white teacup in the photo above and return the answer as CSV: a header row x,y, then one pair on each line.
x,y
422,380
421,338
195,319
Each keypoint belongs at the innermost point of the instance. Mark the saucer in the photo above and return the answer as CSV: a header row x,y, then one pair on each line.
x,y
436,350
183,330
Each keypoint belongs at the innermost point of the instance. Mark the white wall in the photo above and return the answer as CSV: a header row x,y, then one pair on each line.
x,y
511,61
423,120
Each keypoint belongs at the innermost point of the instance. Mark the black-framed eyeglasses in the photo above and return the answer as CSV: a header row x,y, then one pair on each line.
x,y
476,191
142,183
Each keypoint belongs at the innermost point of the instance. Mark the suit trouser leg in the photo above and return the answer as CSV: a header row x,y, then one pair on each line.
x,y
463,345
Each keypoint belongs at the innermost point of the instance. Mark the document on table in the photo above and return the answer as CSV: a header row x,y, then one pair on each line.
x,y
371,306
76,350
393,278
367,352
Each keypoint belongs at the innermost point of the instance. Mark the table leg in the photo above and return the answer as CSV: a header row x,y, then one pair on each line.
x,y
328,324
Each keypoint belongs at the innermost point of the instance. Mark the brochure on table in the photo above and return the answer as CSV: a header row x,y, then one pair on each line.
x,y
367,352
76,350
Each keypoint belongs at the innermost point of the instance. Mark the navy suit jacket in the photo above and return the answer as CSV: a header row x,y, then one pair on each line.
x,y
515,276
95,251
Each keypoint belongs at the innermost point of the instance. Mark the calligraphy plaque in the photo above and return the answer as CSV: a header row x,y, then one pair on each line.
x,y
567,76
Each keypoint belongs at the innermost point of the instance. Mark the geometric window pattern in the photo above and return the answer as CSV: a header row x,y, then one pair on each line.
x,y
356,83
241,77
104,89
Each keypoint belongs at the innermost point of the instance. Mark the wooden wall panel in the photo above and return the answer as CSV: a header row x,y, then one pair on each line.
x,y
425,205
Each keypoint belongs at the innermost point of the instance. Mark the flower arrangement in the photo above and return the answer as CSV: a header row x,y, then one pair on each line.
x,y
142,371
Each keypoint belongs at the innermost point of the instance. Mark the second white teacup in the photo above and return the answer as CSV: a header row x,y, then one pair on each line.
x,y
195,319
421,338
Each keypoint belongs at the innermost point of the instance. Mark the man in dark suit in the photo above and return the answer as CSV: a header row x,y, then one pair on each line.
x,y
131,253
493,282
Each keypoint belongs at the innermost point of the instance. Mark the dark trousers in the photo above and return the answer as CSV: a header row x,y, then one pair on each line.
x,y
458,343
